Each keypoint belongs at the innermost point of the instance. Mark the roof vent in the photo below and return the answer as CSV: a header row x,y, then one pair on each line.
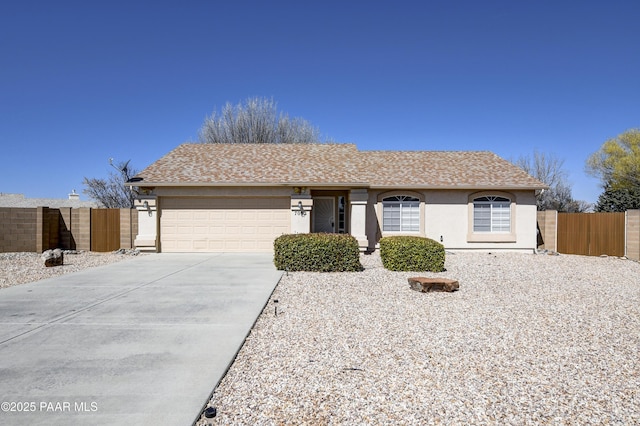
x,y
74,195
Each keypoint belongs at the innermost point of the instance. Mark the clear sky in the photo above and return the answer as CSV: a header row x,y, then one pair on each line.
x,y
82,81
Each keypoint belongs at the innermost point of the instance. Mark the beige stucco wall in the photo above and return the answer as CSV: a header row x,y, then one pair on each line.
x,y
444,213
447,217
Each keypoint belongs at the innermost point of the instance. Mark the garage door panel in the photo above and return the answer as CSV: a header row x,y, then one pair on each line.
x,y
222,224
183,245
184,215
202,215
215,245
200,244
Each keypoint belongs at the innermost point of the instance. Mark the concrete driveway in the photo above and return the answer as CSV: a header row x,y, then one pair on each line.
x,y
138,342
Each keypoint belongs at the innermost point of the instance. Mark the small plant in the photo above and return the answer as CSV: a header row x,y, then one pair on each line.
x,y
407,253
317,253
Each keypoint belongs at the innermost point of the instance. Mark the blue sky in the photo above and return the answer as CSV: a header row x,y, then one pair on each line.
x,y
82,81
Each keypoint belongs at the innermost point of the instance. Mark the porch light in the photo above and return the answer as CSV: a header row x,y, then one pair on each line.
x,y
301,211
146,206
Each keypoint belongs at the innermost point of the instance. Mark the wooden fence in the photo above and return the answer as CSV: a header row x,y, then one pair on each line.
x,y
105,229
591,234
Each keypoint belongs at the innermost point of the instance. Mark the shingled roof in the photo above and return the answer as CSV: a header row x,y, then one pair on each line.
x,y
20,201
196,164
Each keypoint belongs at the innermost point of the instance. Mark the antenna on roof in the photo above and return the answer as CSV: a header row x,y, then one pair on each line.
x,y
124,169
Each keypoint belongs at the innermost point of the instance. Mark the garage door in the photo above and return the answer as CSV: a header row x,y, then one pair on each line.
x,y
222,224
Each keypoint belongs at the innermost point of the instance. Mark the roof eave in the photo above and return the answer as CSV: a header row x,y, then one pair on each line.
x,y
462,187
236,184
338,184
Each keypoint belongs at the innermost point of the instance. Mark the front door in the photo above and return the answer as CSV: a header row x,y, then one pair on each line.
x,y
324,214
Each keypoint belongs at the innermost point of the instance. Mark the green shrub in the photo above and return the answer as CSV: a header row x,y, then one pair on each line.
x,y
405,253
317,253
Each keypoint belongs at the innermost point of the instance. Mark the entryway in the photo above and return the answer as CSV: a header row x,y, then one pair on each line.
x,y
329,212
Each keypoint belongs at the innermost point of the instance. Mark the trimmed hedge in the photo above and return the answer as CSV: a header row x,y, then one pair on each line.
x,y
406,253
317,253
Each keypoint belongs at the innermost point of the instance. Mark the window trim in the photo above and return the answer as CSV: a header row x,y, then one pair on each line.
x,y
492,236
400,193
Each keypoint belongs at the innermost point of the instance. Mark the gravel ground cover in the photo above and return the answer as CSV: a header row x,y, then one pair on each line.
x,y
528,339
25,267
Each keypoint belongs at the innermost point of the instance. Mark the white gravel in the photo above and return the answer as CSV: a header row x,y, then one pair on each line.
x,y
528,339
24,267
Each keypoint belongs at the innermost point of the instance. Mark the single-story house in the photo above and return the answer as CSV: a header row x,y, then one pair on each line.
x,y
20,201
240,197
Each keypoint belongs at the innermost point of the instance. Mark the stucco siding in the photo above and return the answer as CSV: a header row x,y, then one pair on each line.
x,y
447,218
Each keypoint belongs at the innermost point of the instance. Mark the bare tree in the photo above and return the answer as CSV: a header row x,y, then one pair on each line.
x,y
111,192
548,169
256,121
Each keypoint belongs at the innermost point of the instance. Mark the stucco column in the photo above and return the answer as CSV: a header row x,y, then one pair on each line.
x,y
301,205
358,225
147,237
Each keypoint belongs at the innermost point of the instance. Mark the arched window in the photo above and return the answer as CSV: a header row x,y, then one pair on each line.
x,y
491,214
401,213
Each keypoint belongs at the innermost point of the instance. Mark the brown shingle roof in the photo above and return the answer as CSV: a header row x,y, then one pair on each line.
x,y
444,169
256,164
332,165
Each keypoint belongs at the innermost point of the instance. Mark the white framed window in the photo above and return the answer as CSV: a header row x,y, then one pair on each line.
x,y
492,214
401,213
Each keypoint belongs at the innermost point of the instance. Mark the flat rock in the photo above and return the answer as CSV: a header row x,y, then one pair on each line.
x,y
426,285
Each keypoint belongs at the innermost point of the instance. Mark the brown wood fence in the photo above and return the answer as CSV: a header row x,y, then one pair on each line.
x,y
591,234
105,230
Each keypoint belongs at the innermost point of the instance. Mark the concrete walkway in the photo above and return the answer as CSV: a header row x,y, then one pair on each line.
x,y
143,341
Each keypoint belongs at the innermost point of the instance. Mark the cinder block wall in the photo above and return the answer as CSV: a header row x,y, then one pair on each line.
x,y
47,228
64,229
82,232
633,234
125,228
128,227
134,226
17,229
53,217
39,229
547,224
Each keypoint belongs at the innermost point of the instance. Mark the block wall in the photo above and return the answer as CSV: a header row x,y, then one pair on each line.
x,y
633,234
41,228
128,227
17,229
547,227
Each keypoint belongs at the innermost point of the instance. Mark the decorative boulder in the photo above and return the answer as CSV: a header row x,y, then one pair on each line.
x,y
426,285
53,258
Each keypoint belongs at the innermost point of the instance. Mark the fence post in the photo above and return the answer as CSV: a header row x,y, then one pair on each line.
x,y
84,229
126,228
632,234
42,229
548,225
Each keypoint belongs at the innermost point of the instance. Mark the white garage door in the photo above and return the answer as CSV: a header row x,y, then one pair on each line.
x,y
222,224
